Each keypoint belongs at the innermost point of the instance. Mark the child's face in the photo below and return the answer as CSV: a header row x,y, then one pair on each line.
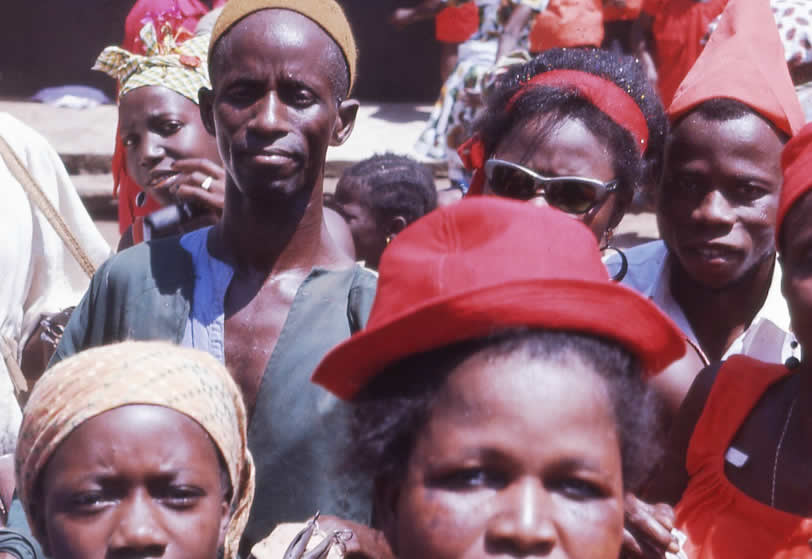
x,y
519,457
367,234
159,127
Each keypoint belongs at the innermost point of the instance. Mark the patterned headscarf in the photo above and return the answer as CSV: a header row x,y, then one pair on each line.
x,y
153,373
179,66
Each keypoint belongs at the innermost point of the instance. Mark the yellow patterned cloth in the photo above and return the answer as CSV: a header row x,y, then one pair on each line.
x,y
179,66
153,373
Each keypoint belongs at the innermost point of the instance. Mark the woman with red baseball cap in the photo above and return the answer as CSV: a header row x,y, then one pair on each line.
x,y
738,466
501,402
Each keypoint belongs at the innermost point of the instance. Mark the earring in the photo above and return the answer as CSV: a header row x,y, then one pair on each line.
x,y
388,239
140,199
624,262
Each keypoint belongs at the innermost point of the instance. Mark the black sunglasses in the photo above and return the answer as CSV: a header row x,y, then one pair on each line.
x,y
573,195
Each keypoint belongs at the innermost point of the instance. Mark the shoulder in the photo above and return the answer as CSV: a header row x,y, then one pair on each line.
x,y
150,262
645,263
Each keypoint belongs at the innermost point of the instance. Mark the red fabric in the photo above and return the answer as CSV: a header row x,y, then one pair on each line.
x,y
796,161
744,60
456,24
678,28
721,521
630,11
473,156
567,23
613,101
468,269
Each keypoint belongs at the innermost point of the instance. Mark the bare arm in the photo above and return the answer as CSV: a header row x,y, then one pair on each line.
x,y
509,41
671,478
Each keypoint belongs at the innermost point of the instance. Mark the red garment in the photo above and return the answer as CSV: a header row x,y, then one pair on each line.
x,y
629,12
796,161
721,521
568,23
678,28
744,60
468,269
456,24
189,10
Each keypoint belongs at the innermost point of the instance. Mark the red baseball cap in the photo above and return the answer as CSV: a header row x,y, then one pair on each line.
x,y
485,264
796,162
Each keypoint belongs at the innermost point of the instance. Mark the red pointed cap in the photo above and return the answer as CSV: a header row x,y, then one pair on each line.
x,y
743,60
796,161
486,264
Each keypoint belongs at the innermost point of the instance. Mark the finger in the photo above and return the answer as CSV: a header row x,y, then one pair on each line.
x,y
205,166
630,544
648,527
299,543
321,550
665,514
196,195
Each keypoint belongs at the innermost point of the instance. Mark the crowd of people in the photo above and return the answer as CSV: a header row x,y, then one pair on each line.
x,y
264,369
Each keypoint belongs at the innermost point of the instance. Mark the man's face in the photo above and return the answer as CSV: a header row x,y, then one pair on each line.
x,y
717,202
274,109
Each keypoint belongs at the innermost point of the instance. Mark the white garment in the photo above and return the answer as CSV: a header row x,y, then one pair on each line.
x,y
649,272
37,272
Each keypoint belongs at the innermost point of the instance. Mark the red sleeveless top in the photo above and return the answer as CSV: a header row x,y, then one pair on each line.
x,y
719,519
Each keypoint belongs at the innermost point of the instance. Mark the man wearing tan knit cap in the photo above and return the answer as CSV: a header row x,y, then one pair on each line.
x,y
266,290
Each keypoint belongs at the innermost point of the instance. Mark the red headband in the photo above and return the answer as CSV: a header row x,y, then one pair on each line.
x,y
605,95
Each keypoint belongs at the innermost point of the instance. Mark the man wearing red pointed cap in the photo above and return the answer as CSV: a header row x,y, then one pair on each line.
x,y
739,457
715,271
266,290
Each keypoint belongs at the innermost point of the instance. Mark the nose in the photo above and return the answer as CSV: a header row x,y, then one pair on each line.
x,y
152,150
524,521
715,208
271,115
539,200
138,530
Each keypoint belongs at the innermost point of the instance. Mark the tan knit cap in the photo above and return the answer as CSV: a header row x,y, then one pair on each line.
x,y
326,13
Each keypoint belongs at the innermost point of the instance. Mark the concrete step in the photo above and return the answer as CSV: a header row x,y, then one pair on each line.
x,y
84,138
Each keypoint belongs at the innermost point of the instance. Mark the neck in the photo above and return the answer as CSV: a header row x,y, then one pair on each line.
x,y
719,316
270,238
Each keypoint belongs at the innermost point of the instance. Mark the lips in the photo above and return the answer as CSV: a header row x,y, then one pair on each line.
x,y
714,252
275,161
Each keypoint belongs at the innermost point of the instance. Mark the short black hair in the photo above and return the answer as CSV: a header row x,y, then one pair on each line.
x,y
722,109
390,412
627,73
395,185
339,70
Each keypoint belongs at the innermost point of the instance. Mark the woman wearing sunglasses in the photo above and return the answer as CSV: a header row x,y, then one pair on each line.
x,y
576,129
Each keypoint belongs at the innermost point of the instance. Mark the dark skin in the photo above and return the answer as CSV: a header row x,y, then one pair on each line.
x,y
135,481
759,434
716,210
169,154
274,111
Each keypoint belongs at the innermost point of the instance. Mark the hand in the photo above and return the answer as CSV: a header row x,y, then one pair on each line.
x,y
366,541
187,185
648,529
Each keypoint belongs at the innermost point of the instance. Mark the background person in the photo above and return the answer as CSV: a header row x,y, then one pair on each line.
x,y
714,272
379,197
740,446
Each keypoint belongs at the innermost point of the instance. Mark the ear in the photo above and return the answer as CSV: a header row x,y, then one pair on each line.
x,y
345,121
385,505
206,98
396,225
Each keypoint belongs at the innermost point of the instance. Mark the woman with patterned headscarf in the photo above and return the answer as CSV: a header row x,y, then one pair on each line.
x,y
162,143
134,449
